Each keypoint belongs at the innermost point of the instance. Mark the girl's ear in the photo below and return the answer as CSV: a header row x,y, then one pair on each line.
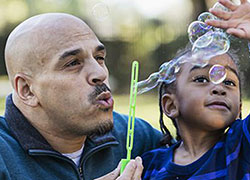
x,y
170,105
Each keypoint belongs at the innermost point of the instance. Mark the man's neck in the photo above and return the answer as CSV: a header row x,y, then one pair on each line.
x,y
62,144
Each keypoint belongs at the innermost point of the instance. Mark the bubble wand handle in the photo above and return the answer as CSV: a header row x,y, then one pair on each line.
x,y
131,118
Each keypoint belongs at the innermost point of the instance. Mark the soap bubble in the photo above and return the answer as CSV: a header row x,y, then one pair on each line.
x,y
214,43
217,74
197,29
100,11
168,70
148,84
206,16
200,58
203,41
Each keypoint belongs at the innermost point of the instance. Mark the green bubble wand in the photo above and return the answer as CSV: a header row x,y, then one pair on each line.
x,y
131,118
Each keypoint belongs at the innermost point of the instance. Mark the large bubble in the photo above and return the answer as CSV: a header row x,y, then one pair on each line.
x,y
214,42
197,29
217,74
206,16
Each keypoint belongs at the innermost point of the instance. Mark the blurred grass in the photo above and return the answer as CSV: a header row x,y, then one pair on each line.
x,y
3,78
2,105
147,108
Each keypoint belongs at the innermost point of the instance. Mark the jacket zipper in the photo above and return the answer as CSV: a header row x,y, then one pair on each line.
x,y
80,172
56,155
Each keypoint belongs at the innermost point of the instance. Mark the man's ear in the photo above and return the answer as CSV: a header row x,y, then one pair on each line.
x,y
23,89
170,106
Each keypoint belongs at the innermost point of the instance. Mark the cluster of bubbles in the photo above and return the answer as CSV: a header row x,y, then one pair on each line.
x,y
207,42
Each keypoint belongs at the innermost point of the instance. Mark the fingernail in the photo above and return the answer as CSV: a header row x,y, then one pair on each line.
x,y
138,159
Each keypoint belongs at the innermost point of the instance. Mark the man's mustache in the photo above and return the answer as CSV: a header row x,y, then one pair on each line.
x,y
98,90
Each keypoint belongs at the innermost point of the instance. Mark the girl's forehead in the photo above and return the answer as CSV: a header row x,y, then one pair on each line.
x,y
223,60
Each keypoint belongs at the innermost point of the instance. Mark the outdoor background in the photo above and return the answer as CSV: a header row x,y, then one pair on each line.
x,y
150,31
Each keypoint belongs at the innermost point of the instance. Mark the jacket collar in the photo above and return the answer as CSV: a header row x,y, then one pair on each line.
x,y
30,138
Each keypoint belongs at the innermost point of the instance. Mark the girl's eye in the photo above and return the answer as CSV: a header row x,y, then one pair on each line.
x,y
73,63
201,79
229,83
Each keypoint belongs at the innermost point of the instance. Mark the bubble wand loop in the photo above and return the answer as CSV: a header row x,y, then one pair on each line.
x,y
131,118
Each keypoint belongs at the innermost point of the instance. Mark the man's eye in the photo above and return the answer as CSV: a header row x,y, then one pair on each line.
x,y
229,83
99,58
200,79
73,63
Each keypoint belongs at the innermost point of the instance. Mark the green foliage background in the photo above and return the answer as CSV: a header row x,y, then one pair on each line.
x,y
128,32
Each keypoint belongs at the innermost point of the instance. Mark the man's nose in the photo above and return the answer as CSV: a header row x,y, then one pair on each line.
x,y
218,90
97,73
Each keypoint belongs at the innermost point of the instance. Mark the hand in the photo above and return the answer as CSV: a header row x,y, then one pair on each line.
x,y
132,171
237,22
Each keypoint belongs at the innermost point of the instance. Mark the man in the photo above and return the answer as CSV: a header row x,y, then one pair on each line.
x,y
59,121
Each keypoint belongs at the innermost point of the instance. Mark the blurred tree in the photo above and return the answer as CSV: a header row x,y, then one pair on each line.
x,y
126,29
199,6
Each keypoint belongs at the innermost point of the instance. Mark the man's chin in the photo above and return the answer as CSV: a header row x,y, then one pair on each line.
x,y
110,109
102,128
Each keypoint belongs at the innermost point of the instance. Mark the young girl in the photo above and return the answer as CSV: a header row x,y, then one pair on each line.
x,y
212,143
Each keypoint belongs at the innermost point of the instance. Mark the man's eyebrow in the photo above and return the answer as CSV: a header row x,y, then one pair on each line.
x,y
100,48
210,65
70,53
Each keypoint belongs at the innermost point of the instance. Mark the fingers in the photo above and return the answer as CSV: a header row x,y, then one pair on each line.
x,y
220,13
228,4
243,1
237,32
139,169
218,23
129,171
133,170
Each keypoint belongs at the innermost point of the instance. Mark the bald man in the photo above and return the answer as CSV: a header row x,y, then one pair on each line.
x,y
59,121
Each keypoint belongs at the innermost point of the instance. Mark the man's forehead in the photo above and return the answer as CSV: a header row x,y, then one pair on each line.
x,y
78,50
40,37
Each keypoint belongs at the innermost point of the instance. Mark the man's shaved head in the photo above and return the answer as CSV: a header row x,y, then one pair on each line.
x,y
56,65
33,42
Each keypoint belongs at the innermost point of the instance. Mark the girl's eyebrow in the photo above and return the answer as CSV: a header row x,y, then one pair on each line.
x,y
210,65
